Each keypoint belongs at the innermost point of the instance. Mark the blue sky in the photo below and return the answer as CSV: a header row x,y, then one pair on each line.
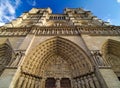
x,y
107,10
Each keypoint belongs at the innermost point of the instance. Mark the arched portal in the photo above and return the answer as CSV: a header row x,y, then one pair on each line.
x,y
44,53
111,54
6,53
55,58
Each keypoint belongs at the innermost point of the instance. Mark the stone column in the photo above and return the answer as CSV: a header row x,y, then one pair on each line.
x,y
58,83
75,83
82,81
26,80
19,82
96,82
38,83
32,83
79,83
86,82
72,82
43,83
91,83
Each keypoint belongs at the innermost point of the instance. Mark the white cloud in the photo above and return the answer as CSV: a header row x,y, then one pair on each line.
x,y
31,2
109,20
118,1
1,23
7,10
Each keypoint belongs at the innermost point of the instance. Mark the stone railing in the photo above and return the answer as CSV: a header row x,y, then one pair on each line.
x,y
55,31
61,30
113,30
14,31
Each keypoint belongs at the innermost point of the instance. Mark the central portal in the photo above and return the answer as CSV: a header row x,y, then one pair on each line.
x,y
57,83
55,63
57,72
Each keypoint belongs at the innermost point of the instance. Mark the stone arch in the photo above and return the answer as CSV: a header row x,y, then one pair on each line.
x,y
42,57
111,54
5,54
58,46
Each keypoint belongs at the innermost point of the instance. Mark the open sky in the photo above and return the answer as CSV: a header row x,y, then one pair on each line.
x,y
107,10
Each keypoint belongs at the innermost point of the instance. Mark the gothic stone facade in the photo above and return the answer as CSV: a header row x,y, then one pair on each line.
x,y
70,50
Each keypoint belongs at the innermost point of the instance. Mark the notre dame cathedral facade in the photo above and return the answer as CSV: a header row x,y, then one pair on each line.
x,y
75,49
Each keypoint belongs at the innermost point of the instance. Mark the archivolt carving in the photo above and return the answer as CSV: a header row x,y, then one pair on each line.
x,y
56,58
111,53
35,61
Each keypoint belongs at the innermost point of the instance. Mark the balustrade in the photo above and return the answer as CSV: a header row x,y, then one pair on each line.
x,y
76,30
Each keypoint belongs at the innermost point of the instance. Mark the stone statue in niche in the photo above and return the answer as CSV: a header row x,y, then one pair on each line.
x,y
17,59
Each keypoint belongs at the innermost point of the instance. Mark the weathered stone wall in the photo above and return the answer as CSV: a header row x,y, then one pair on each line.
x,y
110,78
96,42
14,41
75,39
6,77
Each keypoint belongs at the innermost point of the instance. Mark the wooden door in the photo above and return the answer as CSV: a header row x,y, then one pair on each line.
x,y
50,83
65,83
